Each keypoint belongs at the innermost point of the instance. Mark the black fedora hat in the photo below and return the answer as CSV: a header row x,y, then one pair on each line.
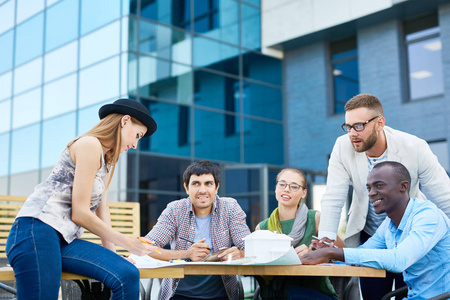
x,y
132,108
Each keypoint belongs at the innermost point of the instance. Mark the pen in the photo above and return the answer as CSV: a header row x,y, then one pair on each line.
x,y
182,238
325,242
145,242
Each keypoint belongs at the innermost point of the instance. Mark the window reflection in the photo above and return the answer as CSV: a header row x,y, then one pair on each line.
x,y
56,134
29,39
91,19
344,61
267,136
5,116
173,135
211,141
6,51
26,9
100,44
7,13
262,68
218,56
251,27
5,82
164,42
424,48
262,101
28,76
4,154
53,66
60,96
162,79
61,24
25,144
99,82
27,108
216,91
88,117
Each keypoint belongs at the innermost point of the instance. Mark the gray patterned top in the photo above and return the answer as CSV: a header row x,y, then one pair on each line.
x,y
51,201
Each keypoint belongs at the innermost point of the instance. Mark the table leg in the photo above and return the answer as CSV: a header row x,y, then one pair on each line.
x,y
275,289
93,290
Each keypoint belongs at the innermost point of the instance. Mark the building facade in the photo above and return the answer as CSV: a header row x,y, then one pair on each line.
x,y
197,65
333,50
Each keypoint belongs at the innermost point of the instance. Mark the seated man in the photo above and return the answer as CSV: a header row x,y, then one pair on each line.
x,y
413,239
196,225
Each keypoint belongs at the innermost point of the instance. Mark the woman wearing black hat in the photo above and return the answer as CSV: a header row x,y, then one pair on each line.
x,y
44,239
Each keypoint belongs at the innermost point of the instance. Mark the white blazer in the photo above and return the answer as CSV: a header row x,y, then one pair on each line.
x,y
346,166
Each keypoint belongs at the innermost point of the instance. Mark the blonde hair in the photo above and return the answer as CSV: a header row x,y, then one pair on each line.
x,y
106,131
295,170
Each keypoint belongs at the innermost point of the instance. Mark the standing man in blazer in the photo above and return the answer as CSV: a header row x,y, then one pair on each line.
x,y
367,142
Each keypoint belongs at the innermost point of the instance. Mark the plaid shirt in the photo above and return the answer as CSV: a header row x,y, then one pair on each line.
x,y
228,227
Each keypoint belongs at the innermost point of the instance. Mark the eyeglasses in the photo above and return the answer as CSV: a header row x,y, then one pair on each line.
x,y
357,126
293,186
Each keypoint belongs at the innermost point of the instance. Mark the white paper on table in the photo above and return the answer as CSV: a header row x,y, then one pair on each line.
x,y
147,262
289,258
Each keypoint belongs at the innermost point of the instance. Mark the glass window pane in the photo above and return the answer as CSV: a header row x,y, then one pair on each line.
x,y
220,21
6,51
262,67
173,134
161,79
132,74
4,154
60,96
29,33
254,2
88,117
251,27
262,101
53,66
50,2
216,91
259,140
425,68
5,116
211,140
215,55
165,42
97,13
25,143
62,24
344,64
27,108
56,134
28,76
100,44
99,82
26,8
7,13
5,83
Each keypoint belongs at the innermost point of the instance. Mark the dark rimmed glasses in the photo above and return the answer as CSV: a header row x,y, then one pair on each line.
x,y
357,126
293,186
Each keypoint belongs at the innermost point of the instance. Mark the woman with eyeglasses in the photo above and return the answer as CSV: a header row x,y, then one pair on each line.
x,y
292,217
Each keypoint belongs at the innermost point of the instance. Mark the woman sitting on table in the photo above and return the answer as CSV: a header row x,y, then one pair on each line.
x,y
292,217
44,239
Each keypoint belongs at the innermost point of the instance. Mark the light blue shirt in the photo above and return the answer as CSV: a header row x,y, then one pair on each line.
x,y
419,247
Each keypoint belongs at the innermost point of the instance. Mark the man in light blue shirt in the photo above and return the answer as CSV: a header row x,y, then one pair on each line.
x,y
413,239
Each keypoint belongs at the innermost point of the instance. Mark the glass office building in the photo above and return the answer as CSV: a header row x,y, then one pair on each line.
x,y
196,64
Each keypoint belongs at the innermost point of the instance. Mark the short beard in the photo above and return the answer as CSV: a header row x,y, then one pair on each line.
x,y
369,143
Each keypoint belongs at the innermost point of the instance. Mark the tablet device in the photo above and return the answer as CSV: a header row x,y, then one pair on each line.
x,y
212,256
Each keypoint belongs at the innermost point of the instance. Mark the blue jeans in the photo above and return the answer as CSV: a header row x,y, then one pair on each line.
x,y
38,253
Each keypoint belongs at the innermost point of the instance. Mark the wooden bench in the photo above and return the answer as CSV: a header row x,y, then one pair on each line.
x,y
125,217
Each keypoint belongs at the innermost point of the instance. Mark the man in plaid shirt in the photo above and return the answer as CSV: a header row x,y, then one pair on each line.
x,y
195,226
